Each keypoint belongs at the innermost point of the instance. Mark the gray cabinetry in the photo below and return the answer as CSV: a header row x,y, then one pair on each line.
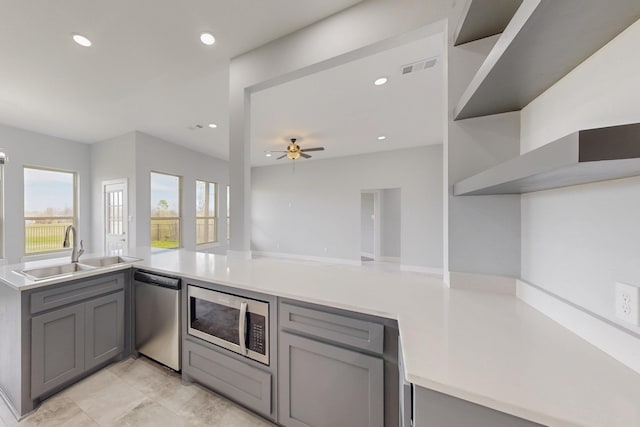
x,y
336,368
58,344
231,377
322,385
75,338
104,329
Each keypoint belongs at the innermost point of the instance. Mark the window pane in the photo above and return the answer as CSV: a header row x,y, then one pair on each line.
x,y
228,213
205,230
212,199
43,235
200,198
49,208
165,195
165,203
165,233
48,193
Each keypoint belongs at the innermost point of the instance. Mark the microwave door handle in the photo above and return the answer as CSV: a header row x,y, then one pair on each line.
x,y
242,328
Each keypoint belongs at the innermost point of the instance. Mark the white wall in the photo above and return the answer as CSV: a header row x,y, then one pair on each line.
x,y
154,154
33,149
113,159
317,206
578,241
391,222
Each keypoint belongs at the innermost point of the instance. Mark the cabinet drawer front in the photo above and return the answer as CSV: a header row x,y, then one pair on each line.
x,y
239,381
333,327
77,291
325,386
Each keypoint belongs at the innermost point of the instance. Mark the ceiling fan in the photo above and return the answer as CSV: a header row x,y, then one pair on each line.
x,y
294,151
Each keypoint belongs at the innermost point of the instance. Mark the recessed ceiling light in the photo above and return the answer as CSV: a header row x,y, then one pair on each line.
x,y
382,138
81,40
380,81
213,125
267,154
207,38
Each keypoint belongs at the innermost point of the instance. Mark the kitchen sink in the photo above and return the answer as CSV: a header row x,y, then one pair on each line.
x,y
55,270
108,261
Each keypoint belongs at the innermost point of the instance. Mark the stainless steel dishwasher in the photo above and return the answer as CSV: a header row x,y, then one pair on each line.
x,y
157,302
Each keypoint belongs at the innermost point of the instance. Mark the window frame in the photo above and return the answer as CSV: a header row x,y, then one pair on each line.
x,y
2,212
178,218
228,212
213,217
25,218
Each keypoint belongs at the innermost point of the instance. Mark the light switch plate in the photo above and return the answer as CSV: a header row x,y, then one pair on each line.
x,y
628,303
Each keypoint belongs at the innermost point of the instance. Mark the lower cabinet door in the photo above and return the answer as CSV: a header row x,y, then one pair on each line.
x,y
57,348
104,329
322,385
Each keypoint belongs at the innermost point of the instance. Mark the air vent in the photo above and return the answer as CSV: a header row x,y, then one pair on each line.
x,y
418,66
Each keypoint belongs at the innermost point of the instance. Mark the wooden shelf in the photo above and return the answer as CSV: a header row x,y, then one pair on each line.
x,y
579,158
543,42
484,18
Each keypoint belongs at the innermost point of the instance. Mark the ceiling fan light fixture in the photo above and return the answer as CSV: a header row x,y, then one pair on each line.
x,y
293,155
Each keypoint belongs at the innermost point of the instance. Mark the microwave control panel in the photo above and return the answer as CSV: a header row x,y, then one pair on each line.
x,y
257,333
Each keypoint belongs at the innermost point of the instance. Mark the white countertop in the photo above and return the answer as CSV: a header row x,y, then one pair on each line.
x,y
489,349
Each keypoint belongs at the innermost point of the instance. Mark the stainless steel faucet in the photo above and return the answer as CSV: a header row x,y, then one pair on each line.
x,y
75,253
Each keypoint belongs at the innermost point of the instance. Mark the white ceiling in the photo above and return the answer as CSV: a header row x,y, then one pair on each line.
x,y
146,70
343,111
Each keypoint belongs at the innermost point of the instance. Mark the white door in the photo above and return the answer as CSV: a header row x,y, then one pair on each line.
x,y
115,215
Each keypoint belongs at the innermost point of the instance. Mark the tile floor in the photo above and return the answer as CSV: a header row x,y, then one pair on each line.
x,y
135,393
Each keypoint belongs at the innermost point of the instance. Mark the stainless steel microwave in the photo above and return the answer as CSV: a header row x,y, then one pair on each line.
x,y
236,323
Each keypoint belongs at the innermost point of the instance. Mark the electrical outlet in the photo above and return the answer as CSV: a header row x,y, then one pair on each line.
x,y
628,303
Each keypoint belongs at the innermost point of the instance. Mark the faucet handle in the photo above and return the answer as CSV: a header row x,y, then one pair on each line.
x,y
81,251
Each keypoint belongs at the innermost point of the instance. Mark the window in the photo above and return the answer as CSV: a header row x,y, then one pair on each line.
x,y
206,212
228,214
165,210
50,206
2,158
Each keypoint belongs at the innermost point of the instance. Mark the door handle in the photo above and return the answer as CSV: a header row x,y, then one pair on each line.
x,y
242,328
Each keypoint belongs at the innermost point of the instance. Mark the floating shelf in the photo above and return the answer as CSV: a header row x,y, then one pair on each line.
x,y
579,158
484,18
544,41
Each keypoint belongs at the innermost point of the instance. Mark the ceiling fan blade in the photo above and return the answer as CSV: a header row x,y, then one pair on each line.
x,y
314,149
306,156
284,155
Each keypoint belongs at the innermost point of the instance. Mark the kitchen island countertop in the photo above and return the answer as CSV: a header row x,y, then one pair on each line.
x,y
490,349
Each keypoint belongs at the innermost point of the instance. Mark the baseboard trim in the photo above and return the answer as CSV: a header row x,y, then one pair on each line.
x,y
4,400
296,257
367,254
618,343
394,259
482,283
419,269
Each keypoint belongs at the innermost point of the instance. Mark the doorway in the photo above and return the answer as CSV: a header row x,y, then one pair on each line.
x,y
116,215
380,228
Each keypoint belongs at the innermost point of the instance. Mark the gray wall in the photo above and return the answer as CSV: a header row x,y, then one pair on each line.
x,y
391,223
317,206
367,210
578,241
34,149
154,154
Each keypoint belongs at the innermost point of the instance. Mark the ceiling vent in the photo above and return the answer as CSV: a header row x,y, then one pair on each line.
x,y
418,66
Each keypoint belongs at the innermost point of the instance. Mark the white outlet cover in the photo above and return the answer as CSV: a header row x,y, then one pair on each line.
x,y
628,303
